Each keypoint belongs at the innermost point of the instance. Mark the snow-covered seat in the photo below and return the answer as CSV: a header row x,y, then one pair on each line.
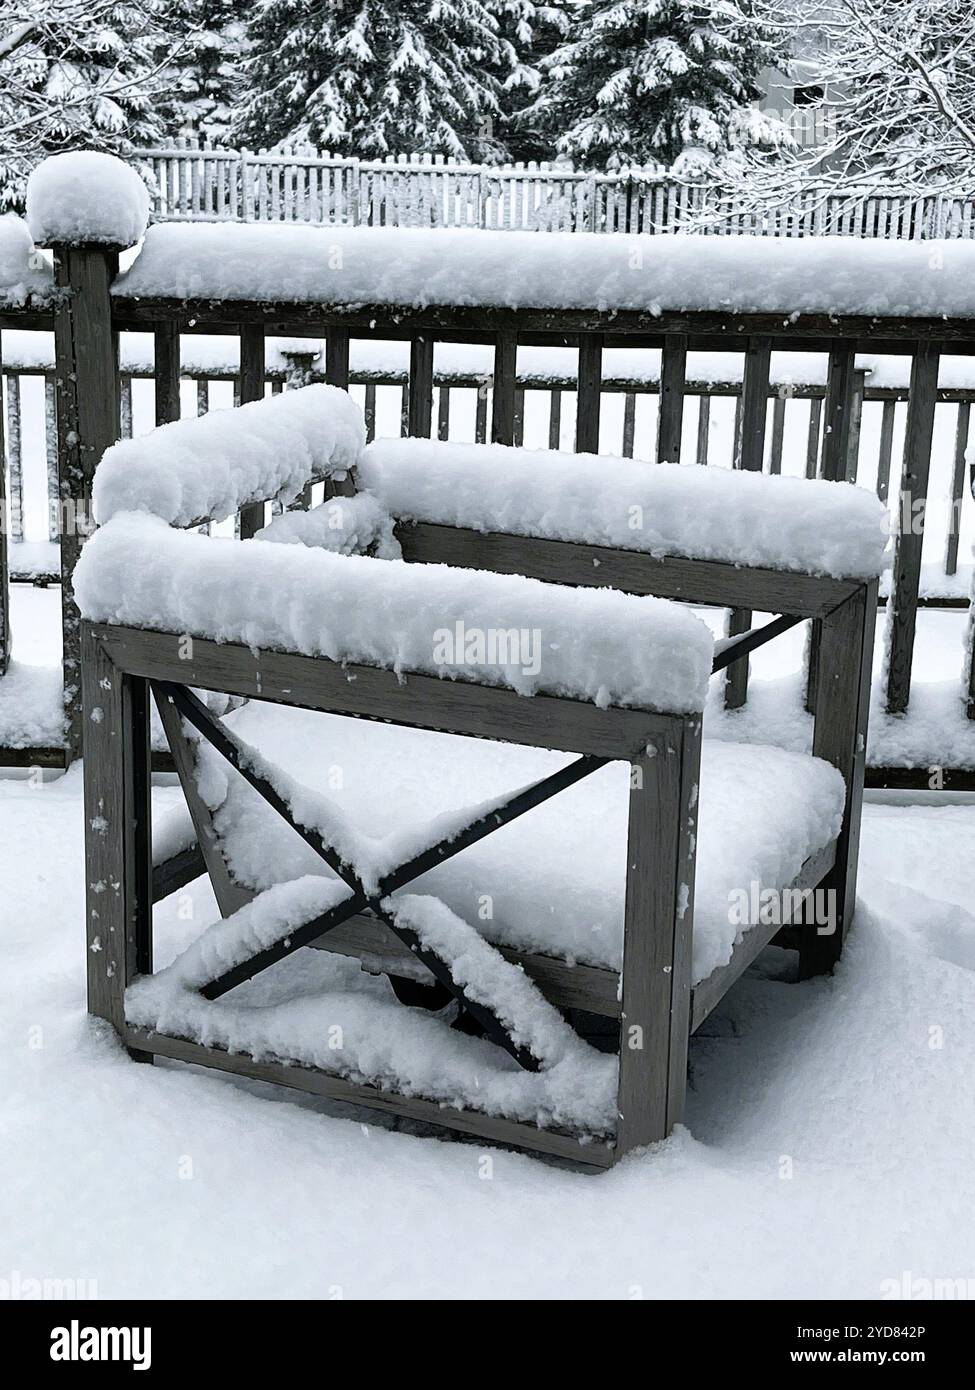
x,y
556,880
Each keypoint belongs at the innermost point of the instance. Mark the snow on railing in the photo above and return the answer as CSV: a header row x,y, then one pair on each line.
x,y
197,182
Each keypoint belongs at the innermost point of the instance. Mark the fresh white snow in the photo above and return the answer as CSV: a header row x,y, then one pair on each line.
x,y
320,1011
85,198
597,645
24,275
833,1117
213,465
348,525
553,881
743,518
557,270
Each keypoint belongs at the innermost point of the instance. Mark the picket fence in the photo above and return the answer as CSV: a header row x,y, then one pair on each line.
x,y
196,182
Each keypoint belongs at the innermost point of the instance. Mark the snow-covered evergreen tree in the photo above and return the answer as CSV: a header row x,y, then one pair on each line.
x,y
533,31
76,73
653,82
372,78
206,74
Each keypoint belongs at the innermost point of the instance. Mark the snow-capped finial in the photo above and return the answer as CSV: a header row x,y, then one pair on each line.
x,y
84,198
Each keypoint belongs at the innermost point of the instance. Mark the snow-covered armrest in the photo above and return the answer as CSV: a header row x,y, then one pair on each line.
x,y
207,468
596,645
752,520
346,525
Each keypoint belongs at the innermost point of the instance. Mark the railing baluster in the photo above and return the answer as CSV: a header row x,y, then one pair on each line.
x,y
957,486
503,389
15,497
554,419
251,389
670,412
588,393
703,430
629,423
750,457
886,448
909,533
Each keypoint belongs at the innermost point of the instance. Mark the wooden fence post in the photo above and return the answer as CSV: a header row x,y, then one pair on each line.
x,y
88,422
909,533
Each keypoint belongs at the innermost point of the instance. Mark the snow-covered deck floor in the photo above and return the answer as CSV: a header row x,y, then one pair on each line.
x,y
829,1143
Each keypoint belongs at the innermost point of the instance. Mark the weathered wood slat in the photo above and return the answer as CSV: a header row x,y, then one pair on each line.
x,y
229,895
706,330
565,562
487,1127
566,986
370,693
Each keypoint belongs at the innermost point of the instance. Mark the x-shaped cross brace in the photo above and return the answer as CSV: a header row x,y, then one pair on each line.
x,y
192,709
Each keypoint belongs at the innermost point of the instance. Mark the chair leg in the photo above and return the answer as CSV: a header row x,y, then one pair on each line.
x,y
118,852
657,942
845,660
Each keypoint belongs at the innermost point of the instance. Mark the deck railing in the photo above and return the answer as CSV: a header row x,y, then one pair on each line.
x,y
88,403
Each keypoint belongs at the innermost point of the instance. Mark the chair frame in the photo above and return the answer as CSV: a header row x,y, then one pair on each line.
x,y
652,998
